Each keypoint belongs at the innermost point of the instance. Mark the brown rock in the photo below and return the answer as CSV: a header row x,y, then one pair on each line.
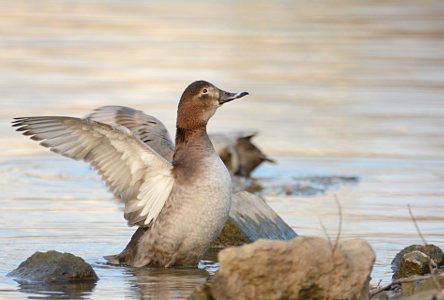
x,y
420,286
413,263
434,252
425,295
303,268
202,292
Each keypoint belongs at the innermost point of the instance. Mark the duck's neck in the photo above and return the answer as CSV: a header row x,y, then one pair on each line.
x,y
188,139
184,135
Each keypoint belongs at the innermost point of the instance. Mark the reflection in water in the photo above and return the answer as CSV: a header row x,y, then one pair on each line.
x,y
172,283
78,290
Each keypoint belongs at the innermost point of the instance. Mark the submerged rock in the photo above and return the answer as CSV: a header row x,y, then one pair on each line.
x,y
250,219
303,268
53,266
308,186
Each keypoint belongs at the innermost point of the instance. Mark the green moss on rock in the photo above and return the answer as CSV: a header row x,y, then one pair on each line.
x,y
230,236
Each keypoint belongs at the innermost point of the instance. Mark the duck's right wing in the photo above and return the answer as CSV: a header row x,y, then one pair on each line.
x,y
147,128
129,168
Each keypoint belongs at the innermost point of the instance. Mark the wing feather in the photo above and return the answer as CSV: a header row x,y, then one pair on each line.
x,y
127,165
147,128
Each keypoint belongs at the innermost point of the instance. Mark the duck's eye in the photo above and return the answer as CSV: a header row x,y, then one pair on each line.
x,y
204,91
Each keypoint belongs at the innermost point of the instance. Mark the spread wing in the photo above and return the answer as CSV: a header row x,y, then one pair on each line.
x,y
147,128
128,167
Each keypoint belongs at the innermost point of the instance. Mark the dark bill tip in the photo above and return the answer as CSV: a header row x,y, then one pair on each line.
x,y
226,96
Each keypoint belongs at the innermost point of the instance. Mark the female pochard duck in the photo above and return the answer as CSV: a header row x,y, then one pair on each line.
x,y
180,206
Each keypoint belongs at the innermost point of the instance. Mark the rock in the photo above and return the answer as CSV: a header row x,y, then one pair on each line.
x,y
420,286
303,268
413,263
431,250
202,292
380,296
53,266
230,236
250,219
439,295
426,295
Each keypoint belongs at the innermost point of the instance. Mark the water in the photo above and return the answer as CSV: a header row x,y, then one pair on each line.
x,y
337,88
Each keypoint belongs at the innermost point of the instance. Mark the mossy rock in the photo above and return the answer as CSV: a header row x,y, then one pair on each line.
x,y
230,236
434,252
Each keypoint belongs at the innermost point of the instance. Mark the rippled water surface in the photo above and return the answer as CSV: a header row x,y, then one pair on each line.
x,y
337,88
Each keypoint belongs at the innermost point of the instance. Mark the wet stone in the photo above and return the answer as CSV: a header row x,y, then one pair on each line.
x,y
434,252
53,267
413,263
406,264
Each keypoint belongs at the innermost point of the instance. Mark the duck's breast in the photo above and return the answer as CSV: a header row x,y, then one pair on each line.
x,y
193,215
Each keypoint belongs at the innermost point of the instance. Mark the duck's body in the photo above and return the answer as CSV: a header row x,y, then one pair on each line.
x,y
193,215
180,207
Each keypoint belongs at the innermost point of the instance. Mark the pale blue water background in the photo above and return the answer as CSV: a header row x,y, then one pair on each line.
x,y
347,88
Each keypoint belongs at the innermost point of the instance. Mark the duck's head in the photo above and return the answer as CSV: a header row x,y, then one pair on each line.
x,y
199,102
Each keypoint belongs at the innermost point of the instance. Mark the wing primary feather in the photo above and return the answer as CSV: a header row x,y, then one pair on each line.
x,y
127,165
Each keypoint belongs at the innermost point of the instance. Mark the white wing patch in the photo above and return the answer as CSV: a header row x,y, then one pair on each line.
x,y
127,165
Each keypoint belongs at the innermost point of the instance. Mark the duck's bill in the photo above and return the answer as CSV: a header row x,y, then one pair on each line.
x,y
226,96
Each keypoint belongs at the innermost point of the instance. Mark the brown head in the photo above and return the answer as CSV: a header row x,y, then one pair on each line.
x,y
199,102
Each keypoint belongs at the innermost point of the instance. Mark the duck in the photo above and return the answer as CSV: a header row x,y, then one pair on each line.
x,y
239,154
180,205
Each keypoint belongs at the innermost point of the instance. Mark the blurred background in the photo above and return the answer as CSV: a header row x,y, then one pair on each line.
x,y
347,97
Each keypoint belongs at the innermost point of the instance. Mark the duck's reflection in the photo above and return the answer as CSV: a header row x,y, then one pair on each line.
x,y
161,283
171,283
